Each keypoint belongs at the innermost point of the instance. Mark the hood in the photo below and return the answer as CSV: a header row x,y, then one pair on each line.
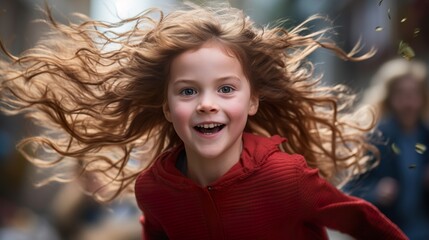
x,y
256,149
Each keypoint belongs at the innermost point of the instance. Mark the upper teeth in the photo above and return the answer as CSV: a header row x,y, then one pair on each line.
x,y
210,125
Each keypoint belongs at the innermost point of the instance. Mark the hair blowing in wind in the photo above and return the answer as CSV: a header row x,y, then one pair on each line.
x,y
98,94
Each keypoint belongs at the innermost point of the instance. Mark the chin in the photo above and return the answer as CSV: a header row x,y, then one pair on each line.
x,y
209,153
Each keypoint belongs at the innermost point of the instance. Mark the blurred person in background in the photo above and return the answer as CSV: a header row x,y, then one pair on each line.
x,y
399,185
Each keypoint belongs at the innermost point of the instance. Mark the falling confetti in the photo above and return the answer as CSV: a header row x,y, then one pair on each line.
x,y
388,14
405,50
378,29
379,3
412,166
395,149
420,148
416,32
403,20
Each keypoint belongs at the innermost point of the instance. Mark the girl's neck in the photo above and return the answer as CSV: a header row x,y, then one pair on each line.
x,y
205,171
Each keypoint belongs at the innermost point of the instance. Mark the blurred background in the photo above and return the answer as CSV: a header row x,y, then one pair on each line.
x,y
61,211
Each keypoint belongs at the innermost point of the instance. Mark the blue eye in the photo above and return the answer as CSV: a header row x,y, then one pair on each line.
x,y
226,89
188,92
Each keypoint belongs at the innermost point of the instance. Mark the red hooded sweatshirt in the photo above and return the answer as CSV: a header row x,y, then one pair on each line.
x,y
268,194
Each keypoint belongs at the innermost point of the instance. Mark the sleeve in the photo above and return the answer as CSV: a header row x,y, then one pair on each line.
x,y
323,204
151,228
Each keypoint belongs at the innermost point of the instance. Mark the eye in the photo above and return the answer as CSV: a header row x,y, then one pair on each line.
x,y
188,92
226,89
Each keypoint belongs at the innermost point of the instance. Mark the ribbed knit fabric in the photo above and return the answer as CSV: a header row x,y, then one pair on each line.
x,y
268,194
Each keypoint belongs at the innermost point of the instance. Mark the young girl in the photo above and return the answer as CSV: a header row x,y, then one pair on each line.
x,y
195,108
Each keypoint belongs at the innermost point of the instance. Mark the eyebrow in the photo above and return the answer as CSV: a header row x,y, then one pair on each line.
x,y
221,79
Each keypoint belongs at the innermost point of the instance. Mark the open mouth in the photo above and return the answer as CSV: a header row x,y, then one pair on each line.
x,y
209,128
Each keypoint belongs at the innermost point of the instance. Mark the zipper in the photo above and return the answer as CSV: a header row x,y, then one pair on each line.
x,y
212,214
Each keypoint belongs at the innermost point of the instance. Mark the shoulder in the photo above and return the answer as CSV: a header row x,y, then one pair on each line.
x,y
151,183
264,152
287,160
289,166
146,184
145,178
161,179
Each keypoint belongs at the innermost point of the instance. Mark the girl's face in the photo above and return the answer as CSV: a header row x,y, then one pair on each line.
x,y
209,100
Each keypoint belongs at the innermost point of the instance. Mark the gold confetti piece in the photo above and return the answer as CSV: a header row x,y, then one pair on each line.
x,y
395,149
378,29
412,166
420,148
379,3
388,14
405,50
403,20
416,32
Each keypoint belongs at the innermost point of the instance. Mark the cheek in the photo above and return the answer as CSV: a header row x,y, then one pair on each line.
x,y
417,100
180,113
395,102
238,111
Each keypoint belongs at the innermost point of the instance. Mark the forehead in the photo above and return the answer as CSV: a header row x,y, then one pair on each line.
x,y
209,59
406,82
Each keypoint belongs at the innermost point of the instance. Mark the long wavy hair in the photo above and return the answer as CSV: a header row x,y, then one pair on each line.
x,y
98,94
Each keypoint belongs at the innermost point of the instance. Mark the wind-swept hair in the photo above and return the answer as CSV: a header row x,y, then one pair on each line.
x,y
98,94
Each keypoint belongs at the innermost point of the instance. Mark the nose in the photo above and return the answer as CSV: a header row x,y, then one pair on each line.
x,y
207,104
